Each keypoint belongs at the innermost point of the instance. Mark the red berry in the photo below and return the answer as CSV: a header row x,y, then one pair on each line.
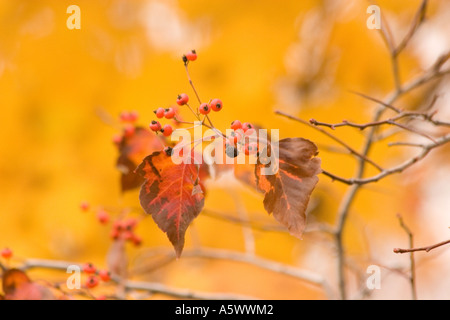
x,y
130,224
117,139
84,206
216,104
127,235
124,116
234,137
101,297
128,130
236,124
249,132
133,116
204,108
104,275
231,151
103,216
114,234
169,113
89,268
6,253
246,126
191,56
136,240
167,130
251,148
91,282
155,125
182,99
159,112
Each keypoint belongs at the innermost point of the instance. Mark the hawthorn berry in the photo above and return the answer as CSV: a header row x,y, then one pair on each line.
x,y
130,224
127,235
128,130
117,139
246,126
124,116
84,206
103,216
234,137
191,56
133,116
6,253
251,148
249,132
104,275
155,125
204,108
231,150
137,240
160,112
114,234
169,113
91,281
182,99
89,268
216,105
167,130
236,124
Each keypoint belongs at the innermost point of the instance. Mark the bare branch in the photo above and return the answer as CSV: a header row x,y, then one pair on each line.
x,y
426,249
412,277
341,142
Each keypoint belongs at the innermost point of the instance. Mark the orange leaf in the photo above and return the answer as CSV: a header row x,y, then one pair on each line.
x,y
288,190
133,148
171,194
17,286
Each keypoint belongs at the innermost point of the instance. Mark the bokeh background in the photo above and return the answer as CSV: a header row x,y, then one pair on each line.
x,y
301,57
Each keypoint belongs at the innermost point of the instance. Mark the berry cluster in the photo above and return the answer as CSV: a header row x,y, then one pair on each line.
x,y
242,137
156,126
94,276
128,119
121,229
183,100
124,229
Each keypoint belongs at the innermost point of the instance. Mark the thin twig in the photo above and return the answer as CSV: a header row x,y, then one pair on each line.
x,y
339,141
426,249
412,276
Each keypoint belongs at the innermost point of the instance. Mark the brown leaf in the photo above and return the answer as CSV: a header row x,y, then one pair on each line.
x,y
287,191
18,286
132,149
171,195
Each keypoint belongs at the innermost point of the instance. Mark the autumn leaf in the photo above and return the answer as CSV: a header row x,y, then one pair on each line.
x,y
287,190
172,194
18,286
132,149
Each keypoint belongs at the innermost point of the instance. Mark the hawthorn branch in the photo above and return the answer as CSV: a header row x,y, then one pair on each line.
x,y
246,258
336,139
426,148
426,249
390,121
412,276
152,287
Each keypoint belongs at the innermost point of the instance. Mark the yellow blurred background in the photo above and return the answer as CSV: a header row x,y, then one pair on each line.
x,y
302,57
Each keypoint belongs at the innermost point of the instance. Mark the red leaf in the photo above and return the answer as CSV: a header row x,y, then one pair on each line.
x,y
287,191
18,286
171,194
133,148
